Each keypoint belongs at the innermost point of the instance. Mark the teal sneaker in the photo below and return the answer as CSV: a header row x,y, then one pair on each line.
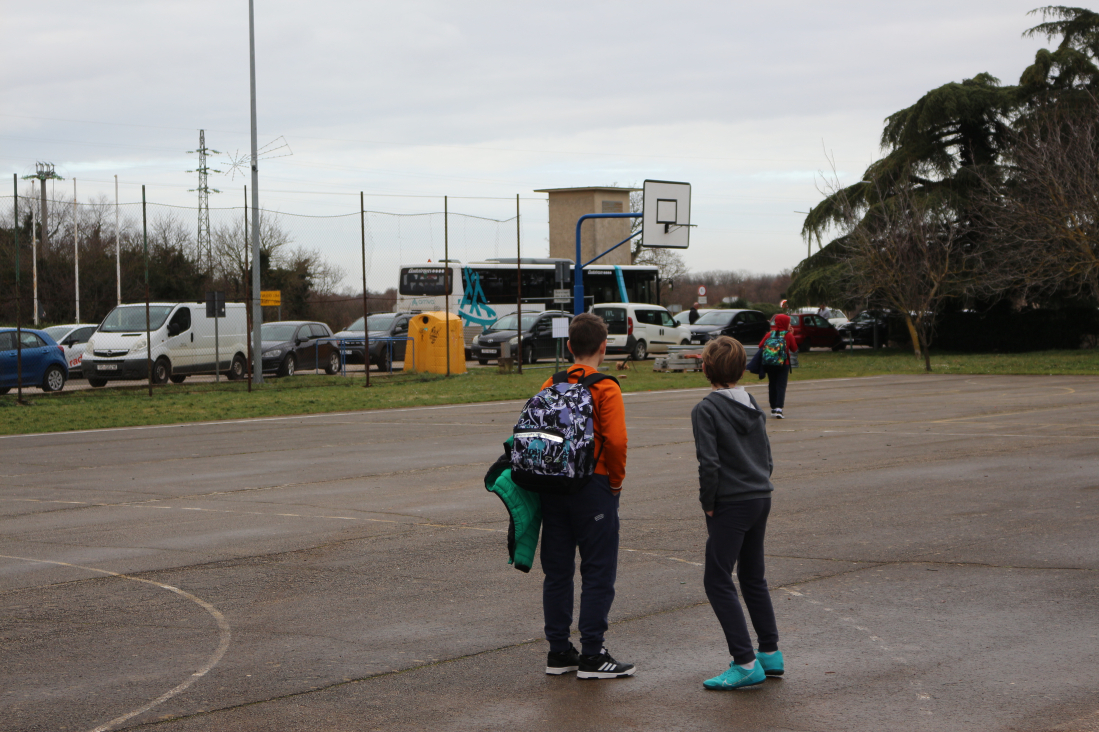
x,y
736,677
771,662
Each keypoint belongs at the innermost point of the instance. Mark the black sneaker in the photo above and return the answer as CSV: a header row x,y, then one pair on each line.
x,y
563,662
602,666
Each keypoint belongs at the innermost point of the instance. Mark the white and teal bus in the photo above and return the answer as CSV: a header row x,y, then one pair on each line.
x,y
480,292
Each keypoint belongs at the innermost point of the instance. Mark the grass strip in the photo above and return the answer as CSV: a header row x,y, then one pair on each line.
x,y
308,394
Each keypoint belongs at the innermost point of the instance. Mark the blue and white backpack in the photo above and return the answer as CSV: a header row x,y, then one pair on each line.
x,y
553,450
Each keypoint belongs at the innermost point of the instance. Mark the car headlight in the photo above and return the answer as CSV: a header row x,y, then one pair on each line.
x,y
272,353
90,345
139,345
514,341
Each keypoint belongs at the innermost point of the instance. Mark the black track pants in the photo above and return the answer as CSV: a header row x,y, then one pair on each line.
x,y
736,538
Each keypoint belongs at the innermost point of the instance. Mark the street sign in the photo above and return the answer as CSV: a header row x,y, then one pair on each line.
x,y
701,299
270,298
560,327
562,295
215,304
702,290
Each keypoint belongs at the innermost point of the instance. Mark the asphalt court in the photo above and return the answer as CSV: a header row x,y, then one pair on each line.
x,y
933,555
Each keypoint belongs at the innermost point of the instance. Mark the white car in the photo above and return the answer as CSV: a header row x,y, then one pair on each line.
x,y
833,316
684,317
72,339
638,329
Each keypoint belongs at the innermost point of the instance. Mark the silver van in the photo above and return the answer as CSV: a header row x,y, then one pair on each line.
x,y
183,343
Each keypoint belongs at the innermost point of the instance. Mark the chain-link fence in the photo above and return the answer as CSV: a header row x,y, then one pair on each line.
x,y
90,255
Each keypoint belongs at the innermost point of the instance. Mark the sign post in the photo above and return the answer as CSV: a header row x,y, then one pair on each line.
x,y
215,308
702,294
271,299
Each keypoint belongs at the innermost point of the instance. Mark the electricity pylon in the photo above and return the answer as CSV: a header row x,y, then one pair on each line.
x,y
204,242
44,172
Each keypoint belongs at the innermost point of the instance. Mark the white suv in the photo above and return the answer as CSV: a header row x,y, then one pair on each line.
x,y
638,329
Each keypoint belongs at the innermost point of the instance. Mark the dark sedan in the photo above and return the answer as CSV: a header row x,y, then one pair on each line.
x,y
860,331
290,346
538,340
747,326
43,361
381,327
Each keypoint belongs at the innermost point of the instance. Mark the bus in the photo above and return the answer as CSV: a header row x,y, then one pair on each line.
x,y
481,292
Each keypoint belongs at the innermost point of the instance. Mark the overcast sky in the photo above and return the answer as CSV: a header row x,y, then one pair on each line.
x,y
490,99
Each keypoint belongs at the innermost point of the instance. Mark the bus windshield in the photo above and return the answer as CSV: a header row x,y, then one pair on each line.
x,y
424,281
131,318
508,322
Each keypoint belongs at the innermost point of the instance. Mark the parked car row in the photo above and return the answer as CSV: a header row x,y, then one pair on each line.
x,y
43,360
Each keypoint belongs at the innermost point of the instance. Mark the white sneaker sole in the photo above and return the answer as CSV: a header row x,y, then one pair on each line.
x,y
559,670
605,674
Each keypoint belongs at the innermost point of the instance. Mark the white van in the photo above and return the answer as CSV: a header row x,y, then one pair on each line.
x,y
183,343
637,329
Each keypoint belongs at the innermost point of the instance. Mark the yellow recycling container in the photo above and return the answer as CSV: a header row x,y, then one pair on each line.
x,y
429,343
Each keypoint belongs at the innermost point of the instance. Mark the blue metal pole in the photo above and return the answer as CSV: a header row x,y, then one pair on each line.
x,y
578,268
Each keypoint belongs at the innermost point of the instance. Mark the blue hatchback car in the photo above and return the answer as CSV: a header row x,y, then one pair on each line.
x,y
44,362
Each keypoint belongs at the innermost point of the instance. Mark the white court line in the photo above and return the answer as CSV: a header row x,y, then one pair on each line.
x,y
362,412
223,631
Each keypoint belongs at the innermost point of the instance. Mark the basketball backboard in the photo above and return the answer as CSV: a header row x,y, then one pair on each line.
x,y
666,215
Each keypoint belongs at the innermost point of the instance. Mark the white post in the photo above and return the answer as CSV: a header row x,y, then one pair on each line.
x,y
117,246
76,252
34,253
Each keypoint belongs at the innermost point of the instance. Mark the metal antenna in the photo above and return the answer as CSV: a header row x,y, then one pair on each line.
x,y
205,247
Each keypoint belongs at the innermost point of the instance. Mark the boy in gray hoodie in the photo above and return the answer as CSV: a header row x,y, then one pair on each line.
x,y
734,477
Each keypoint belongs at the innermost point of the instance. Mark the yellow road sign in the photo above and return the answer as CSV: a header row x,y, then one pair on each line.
x,y
270,298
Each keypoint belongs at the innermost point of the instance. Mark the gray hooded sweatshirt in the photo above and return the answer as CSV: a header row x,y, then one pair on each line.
x,y
734,454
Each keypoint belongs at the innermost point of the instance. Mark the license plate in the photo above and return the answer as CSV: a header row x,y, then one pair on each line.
x,y
488,350
108,367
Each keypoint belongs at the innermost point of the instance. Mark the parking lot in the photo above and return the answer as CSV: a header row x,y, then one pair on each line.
x,y
933,556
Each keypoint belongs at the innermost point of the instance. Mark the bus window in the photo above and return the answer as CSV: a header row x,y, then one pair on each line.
x,y
424,281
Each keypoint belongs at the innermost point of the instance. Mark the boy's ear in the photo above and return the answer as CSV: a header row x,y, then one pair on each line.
x,y
568,345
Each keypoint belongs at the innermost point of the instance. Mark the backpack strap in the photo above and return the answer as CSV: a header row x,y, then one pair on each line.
x,y
593,379
562,376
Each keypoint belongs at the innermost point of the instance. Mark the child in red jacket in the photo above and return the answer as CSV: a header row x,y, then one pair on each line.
x,y
778,376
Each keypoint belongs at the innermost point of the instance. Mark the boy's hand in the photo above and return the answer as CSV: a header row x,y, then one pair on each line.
x,y
617,490
710,514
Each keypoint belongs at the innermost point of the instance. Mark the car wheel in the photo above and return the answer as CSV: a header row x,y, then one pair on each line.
x,y
684,342
162,371
528,354
333,366
237,368
287,367
178,378
385,363
97,383
483,361
54,379
640,351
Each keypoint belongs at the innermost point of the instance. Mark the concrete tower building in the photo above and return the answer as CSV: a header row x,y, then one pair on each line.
x,y
566,205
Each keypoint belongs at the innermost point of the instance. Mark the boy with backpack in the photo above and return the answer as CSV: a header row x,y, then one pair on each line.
x,y
776,348
570,447
734,479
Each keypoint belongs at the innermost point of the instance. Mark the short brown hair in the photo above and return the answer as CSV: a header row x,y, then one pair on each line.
x,y
724,359
586,333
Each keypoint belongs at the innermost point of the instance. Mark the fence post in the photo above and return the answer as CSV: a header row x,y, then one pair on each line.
x,y
518,287
446,281
148,334
366,310
18,293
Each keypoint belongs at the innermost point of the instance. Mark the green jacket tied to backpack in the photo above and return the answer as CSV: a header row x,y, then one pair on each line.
x,y
524,509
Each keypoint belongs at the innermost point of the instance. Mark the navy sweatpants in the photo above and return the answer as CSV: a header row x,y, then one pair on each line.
x,y
588,521
777,378
736,537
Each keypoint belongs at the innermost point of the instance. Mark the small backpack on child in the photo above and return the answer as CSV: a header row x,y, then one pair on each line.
x,y
554,446
774,349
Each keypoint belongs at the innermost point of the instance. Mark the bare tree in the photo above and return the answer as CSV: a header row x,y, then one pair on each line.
x,y
1045,213
910,254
